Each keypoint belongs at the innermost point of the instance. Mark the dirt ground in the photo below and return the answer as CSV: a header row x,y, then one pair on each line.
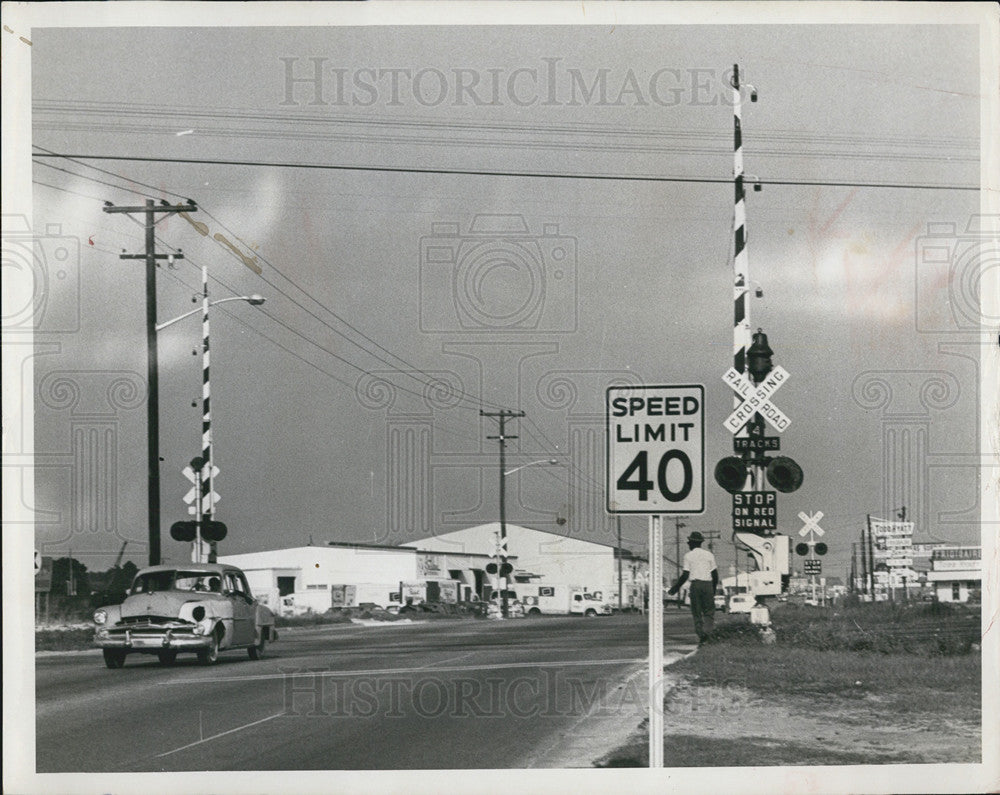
x,y
720,725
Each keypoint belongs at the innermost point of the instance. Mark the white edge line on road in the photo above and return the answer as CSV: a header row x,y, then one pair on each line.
x,y
392,671
222,734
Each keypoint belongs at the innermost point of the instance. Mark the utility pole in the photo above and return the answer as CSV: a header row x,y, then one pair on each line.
x,y
150,257
871,560
502,416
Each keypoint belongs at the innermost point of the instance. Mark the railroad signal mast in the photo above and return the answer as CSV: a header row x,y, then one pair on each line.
x,y
754,380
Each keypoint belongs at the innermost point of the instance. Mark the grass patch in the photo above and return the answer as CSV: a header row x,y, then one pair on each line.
x,y
928,630
70,639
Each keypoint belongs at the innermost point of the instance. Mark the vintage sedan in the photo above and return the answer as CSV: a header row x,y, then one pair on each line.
x,y
203,608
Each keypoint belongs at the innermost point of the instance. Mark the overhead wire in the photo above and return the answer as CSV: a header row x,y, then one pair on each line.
x,y
517,174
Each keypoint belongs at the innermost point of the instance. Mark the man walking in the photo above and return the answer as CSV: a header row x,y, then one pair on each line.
x,y
700,568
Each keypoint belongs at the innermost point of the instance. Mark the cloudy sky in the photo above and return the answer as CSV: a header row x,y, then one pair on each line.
x,y
374,175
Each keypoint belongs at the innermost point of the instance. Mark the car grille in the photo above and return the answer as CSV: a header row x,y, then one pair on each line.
x,y
130,621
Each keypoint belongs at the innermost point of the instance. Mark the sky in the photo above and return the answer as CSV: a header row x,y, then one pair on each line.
x,y
592,165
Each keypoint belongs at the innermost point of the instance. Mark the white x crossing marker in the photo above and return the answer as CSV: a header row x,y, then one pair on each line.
x,y
811,523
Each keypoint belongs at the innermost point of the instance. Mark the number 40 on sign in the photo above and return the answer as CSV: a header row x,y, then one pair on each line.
x,y
656,449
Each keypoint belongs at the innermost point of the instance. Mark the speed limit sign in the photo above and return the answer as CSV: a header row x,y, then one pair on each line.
x,y
656,449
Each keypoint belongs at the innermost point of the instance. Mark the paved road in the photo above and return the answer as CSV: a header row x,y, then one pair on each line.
x,y
430,695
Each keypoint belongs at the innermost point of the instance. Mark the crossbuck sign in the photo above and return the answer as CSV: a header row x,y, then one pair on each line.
x,y
756,399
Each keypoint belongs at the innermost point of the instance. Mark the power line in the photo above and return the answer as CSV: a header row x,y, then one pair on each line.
x,y
518,174
474,401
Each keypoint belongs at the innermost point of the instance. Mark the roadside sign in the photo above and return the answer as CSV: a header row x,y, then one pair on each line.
x,y
656,449
812,566
43,573
756,399
755,510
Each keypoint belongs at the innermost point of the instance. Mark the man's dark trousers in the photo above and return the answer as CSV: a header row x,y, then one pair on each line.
x,y
703,607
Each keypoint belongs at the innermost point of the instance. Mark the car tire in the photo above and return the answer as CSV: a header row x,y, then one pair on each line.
x,y
590,613
167,656
534,612
257,651
115,658
210,655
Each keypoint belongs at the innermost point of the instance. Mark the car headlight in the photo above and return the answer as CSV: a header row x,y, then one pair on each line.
x,y
198,630
100,616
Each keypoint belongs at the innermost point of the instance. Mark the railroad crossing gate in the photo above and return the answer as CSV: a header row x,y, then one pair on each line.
x,y
656,449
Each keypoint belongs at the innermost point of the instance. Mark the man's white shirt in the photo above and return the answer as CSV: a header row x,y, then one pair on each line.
x,y
699,564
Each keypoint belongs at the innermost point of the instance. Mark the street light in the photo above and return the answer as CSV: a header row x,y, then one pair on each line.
x,y
253,300
204,483
503,519
549,461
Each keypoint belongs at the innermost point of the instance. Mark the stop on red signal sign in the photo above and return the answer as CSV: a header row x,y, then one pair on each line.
x,y
656,449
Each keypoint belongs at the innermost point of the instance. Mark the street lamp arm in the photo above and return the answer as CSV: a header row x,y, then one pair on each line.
x,y
549,461
253,300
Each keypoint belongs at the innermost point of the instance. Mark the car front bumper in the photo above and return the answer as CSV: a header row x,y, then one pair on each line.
x,y
149,639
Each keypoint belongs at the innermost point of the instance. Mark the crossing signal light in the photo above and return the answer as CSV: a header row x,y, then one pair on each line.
x,y
491,568
505,569
187,531
802,548
213,531
821,548
731,474
183,531
784,474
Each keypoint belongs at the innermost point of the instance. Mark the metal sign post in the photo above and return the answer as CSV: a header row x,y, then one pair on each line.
x,y
656,690
655,466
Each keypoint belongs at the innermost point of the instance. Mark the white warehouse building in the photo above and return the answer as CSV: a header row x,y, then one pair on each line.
x,y
448,567
347,575
549,559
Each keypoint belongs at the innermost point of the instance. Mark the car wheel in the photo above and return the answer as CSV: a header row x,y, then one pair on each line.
x,y
167,657
591,613
115,658
257,651
210,655
534,612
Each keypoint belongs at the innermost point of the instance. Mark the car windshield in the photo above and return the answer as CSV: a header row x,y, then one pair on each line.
x,y
176,580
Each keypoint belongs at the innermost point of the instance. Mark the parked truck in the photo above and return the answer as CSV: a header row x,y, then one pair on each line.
x,y
563,600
